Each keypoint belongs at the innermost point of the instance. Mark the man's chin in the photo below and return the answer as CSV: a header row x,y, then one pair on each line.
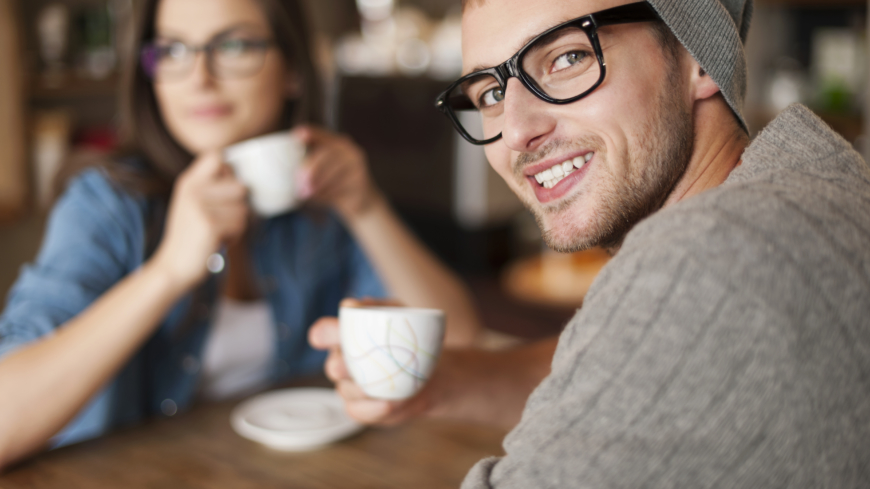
x,y
564,232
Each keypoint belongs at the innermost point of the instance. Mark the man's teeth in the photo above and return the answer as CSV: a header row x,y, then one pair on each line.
x,y
552,176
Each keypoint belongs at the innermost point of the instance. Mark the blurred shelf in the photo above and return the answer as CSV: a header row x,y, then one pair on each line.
x,y
554,279
850,127
73,88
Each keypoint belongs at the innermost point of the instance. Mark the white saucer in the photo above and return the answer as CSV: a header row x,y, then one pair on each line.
x,y
294,419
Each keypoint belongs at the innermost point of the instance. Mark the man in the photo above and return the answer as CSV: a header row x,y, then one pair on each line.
x,y
727,344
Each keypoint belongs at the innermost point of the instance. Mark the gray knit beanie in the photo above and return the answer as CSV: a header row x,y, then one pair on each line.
x,y
714,33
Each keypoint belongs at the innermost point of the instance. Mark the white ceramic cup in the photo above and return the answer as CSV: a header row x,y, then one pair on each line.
x,y
267,165
390,351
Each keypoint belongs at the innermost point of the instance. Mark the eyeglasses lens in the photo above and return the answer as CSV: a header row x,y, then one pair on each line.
x,y
238,57
562,65
173,61
477,104
228,58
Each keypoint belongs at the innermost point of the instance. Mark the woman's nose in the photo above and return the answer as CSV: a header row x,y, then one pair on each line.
x,y
201,74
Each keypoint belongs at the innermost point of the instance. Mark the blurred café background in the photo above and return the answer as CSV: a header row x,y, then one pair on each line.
x,y
384,61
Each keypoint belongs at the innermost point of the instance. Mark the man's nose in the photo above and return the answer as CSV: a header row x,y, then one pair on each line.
x,y
527,121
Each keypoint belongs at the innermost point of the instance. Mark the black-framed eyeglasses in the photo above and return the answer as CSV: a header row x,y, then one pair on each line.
x,y
228,55
561,65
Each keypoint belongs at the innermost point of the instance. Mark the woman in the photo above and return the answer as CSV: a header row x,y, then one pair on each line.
x,y
128,319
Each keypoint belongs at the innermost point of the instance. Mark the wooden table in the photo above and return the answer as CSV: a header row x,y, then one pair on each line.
x,y
199,449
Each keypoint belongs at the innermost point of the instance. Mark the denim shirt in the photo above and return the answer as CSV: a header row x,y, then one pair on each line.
x,y
95,236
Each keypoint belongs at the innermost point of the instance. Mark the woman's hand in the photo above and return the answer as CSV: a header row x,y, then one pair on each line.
x,y
335,172
208,208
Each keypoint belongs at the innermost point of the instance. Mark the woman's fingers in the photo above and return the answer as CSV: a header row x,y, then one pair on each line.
x,y
324,167
228,220
335,172
207,166
312,136
224,191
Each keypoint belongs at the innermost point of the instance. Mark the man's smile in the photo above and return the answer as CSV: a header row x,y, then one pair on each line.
x,y
553,179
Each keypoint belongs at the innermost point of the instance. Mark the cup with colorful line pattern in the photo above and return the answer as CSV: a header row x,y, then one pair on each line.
x,y
390,351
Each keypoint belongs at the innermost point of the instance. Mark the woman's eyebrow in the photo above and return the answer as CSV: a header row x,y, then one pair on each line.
x,y
176,35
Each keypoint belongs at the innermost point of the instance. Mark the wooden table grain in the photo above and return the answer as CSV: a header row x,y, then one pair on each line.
x,y
199,449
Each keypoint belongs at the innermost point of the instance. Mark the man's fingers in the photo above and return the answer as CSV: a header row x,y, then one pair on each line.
x,y
371,301
324,334
369,411
335,367
350,391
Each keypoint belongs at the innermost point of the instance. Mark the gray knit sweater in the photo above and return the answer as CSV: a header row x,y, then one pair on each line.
x,y
727,345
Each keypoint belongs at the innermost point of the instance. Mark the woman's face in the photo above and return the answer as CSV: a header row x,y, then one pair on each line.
x,y
207,108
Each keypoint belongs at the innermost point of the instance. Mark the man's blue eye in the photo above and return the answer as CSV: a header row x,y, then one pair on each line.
x,y
568,60
491,97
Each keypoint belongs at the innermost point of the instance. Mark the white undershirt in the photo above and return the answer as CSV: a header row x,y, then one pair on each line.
x,y
239,350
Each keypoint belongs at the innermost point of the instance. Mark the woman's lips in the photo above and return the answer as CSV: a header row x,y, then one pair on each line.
x,y
211,112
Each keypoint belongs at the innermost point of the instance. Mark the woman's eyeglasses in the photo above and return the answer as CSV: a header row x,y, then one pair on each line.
x,y
227,56
560,66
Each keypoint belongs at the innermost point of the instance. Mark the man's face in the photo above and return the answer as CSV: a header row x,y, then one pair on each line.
x,y
636,126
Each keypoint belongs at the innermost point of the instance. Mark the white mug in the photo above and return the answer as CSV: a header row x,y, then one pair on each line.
x,y
267,165
390,351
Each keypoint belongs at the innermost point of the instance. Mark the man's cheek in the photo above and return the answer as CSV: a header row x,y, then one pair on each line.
x,y
503,169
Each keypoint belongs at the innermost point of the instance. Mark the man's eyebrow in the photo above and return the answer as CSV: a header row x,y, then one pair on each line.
x,y
525,42
476,69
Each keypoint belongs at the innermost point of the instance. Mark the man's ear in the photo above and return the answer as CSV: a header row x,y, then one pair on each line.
x,y
703,86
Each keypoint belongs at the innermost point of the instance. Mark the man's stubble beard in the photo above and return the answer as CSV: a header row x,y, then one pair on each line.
x,y
656,164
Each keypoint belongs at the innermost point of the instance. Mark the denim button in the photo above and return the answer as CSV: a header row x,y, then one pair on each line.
x,y
168,407
215,263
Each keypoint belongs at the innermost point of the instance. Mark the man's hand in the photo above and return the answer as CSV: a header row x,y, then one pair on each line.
x,y
468,384
324,335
